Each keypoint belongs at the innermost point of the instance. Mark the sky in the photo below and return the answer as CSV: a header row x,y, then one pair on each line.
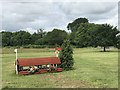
x,y
32,15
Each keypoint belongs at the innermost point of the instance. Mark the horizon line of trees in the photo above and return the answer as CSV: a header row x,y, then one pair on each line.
x,y
83,34
21,38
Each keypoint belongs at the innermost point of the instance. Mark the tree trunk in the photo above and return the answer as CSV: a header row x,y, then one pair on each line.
x,y
104,49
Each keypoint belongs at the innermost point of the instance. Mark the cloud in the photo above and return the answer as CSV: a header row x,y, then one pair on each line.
x,y
48,15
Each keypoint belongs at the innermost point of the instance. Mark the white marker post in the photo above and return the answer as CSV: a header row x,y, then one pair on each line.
x,y
16,61
57,53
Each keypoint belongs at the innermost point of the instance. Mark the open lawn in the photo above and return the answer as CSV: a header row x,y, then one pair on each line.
x,y
92,69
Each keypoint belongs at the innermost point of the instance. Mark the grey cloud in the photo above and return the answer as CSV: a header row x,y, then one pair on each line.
x,y
90,9
53,14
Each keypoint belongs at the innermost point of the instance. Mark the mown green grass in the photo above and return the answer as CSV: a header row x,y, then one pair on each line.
x,y
92,69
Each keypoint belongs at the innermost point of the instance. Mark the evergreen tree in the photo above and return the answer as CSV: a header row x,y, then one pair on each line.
x,y
66,56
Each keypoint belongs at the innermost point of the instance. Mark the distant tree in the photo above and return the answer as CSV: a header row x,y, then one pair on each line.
x,y
56,36
40,41
21,38
38,38
66,56
34,37
41,33
105,36
6,38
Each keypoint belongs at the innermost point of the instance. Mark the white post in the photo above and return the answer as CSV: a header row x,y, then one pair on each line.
x,y
56,65
16,61
57,53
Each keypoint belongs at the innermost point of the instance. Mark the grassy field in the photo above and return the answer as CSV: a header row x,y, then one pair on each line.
x,y
92,69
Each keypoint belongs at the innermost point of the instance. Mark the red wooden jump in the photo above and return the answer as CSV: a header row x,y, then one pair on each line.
x,y
38,62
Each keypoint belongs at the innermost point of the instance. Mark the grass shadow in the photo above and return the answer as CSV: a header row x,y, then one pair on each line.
x,y
72,69
5,88
106,51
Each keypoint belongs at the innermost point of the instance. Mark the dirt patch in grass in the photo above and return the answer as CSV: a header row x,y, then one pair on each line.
x,y
67,83
61,82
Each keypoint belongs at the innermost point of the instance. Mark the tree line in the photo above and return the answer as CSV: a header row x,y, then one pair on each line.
x,y
83,34
22,38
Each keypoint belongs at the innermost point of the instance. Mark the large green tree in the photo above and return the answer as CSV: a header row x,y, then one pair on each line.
x,y
73,26
83,35
105,36
66,56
